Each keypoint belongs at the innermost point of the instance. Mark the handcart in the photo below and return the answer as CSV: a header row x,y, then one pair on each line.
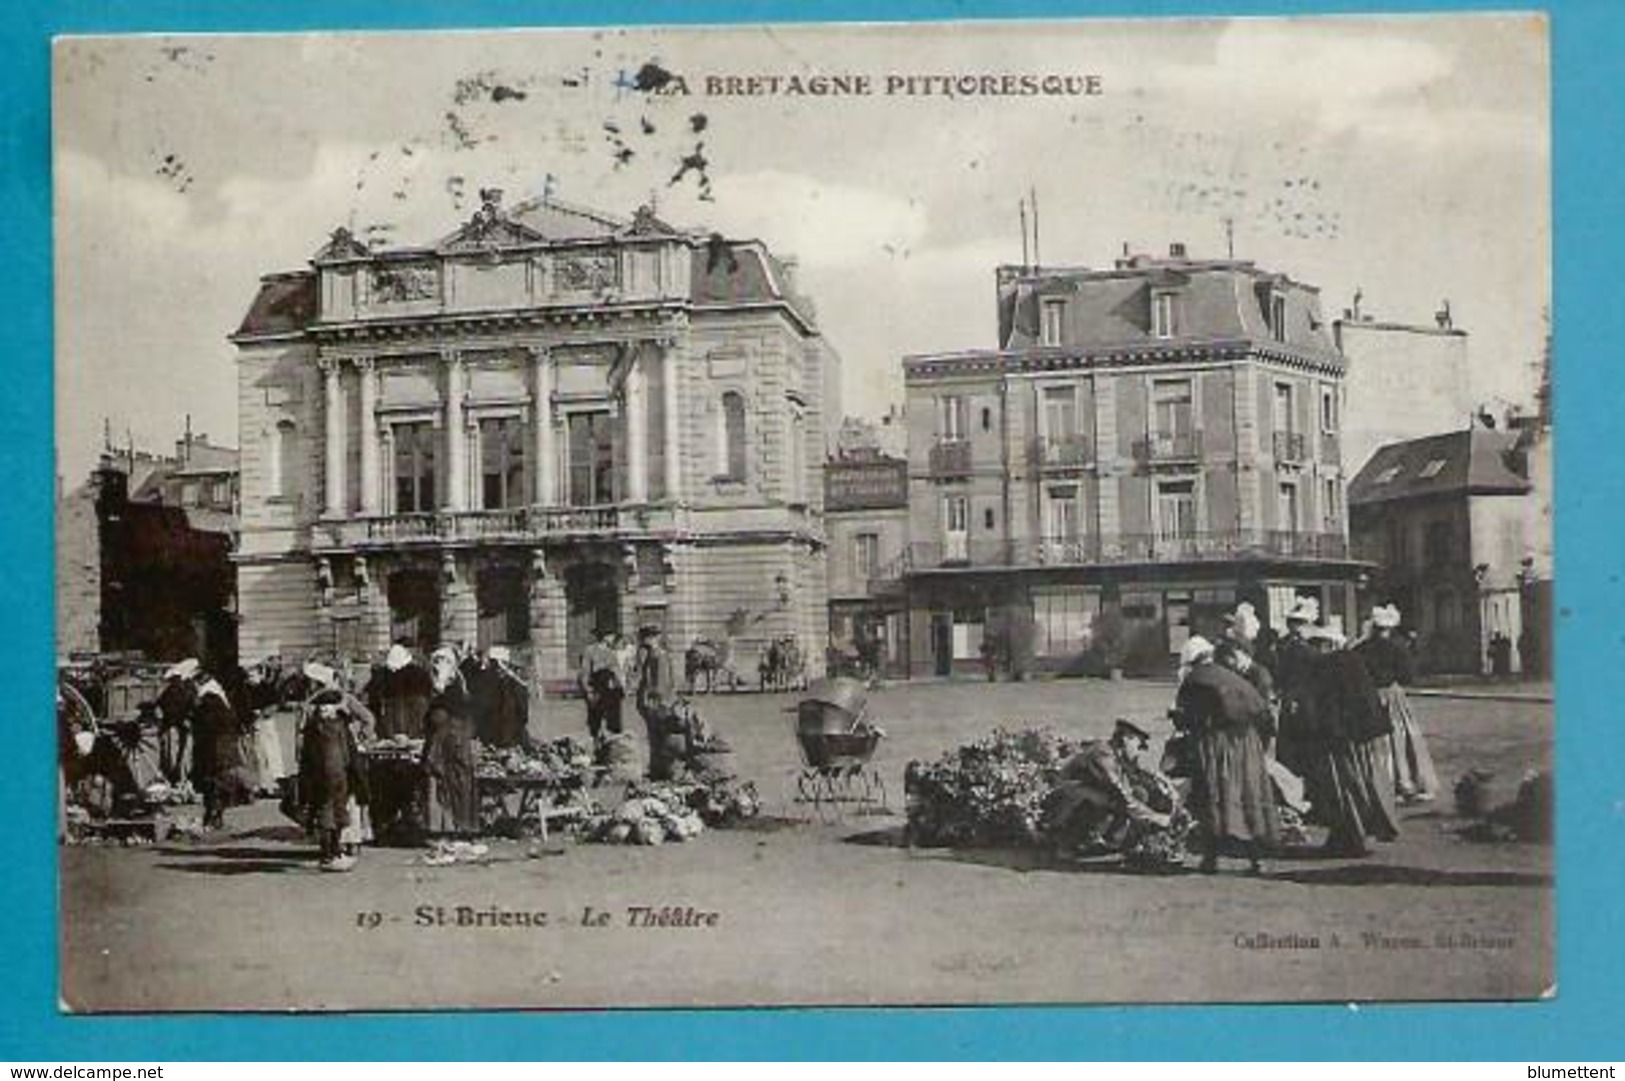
x,y
837,742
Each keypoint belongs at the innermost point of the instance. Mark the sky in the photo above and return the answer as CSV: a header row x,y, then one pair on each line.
x,y
1404,157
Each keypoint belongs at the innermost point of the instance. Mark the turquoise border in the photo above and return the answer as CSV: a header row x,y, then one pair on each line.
x,y
1589,143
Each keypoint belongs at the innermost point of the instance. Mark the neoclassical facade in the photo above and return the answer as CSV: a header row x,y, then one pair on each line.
x,y
548,420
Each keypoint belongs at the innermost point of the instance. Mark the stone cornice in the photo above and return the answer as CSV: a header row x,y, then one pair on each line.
x,y
439,326
1136,355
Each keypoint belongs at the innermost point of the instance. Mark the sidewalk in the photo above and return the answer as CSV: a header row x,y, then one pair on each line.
x,y
1503,690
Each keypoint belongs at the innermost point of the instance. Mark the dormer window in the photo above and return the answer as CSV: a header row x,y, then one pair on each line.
x,y
1164,314
1050,328
1278,316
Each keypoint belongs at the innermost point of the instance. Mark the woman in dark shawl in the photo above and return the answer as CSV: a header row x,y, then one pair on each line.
x,y
195,702
1230,795
450,801
1351,729
399,695
1389,662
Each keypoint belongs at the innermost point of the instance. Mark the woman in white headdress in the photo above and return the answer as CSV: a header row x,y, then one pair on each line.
x,y
1389,662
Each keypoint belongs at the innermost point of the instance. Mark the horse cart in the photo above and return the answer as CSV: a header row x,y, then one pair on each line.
x,y
837,743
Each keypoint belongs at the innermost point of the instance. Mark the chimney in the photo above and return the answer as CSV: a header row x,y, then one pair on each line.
x,y
1176,250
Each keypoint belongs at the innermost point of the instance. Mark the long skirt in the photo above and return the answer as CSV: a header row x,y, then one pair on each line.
x,y
1231,796
1414,775
1357,779
450,804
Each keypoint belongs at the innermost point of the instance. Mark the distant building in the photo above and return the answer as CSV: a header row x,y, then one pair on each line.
x,y
547,420
1454,527
866,519
1149,445
1404,381
146,567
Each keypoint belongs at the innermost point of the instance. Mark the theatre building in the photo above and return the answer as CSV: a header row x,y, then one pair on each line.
x,y
1148,445
546,421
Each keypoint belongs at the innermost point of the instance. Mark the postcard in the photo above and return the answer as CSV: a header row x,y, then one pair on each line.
x,y
928,514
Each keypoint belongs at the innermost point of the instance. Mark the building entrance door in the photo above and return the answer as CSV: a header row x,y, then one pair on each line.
x,y
942,643
594,602
414,608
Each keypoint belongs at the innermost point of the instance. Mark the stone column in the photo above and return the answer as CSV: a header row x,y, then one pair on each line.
x,y
456,435
369,438
544,460
549,635
637,431
333,445
672,424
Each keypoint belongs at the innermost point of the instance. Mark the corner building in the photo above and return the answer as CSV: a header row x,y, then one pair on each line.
x,y
548,420
1160,439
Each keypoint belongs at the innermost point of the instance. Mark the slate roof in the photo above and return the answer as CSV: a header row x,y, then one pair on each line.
x,y
286,303
1474,461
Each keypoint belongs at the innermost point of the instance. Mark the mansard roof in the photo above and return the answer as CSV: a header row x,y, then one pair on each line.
x,y
1473,461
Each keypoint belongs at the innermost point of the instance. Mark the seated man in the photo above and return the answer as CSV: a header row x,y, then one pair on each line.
x,y
1107,797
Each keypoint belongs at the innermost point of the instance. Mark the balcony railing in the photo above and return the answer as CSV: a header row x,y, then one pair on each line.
x,y
1057,453
951,458
1123,548
509,524
1169,447
1290,447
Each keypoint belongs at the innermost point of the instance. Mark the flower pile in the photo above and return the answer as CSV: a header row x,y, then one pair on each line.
x,y
987,793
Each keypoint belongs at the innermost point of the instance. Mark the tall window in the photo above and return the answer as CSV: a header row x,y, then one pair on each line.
x,y
1061,412
1163,315
732,450
1171,407
796,457
1437,543
414,467
1328,409
1050,331
591,447
1061,515
1289,507
865,554
951,419
502,463
956,527
1285,416
1278,317
1333,509
1176,510
285,460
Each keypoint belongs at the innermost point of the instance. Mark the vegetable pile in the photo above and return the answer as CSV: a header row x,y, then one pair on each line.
x,y
987,793
656,812
562,760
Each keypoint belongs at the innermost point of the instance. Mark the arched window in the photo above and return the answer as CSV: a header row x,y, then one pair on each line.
x,y
732,448
285,460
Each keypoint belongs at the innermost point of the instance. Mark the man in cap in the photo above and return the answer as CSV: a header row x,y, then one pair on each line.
x,y
1107,796
603,684
657,701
